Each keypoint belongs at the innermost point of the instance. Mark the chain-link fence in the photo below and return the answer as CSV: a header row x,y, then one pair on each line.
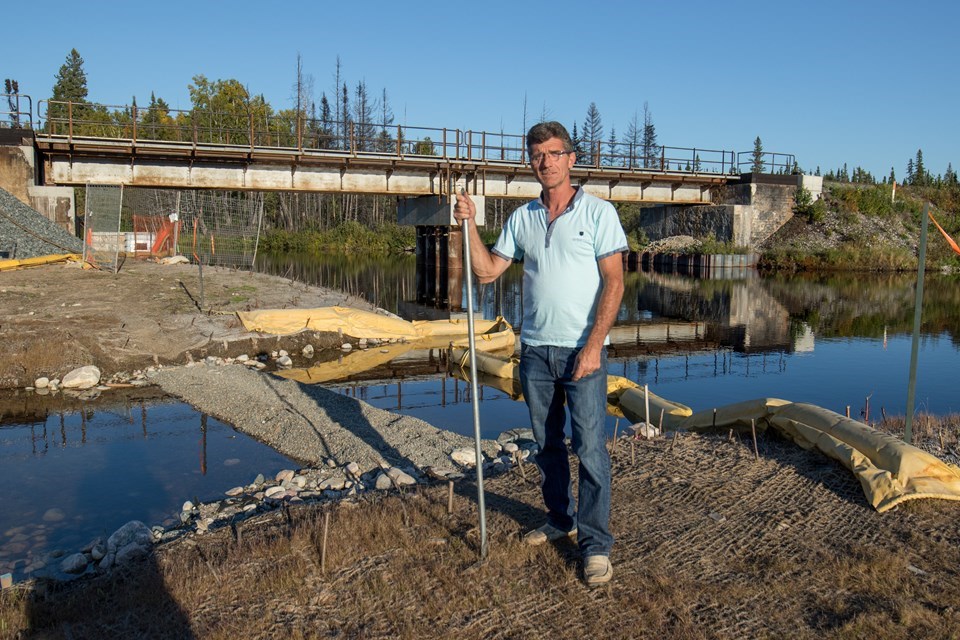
x,y
102,240
208,227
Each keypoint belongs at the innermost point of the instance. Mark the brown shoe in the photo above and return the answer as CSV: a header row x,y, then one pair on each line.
x,y
597,571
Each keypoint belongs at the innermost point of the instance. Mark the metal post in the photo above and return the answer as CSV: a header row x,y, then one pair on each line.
x,y
468,276
917,313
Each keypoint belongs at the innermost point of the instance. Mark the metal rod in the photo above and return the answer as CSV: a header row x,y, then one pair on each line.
x,y
917,313
474,397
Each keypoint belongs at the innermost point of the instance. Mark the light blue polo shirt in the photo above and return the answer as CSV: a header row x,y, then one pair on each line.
x,y
561,277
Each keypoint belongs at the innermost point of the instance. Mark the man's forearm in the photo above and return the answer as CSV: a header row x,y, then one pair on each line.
x,y
610,297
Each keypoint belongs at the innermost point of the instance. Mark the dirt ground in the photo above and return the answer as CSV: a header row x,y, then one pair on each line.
x,y
711,543
58,317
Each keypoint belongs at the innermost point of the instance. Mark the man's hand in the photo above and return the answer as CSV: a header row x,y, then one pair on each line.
x,y
588,361
464,209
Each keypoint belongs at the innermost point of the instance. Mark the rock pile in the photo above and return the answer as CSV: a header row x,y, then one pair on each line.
x,y
26,233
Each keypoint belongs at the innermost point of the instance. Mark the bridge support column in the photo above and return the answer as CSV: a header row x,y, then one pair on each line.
x,y
440,267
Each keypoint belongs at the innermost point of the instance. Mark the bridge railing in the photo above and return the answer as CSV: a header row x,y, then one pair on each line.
x,y
770,162
12,114
257,128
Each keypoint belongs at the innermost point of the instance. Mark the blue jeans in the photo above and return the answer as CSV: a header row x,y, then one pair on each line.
x,y
545,377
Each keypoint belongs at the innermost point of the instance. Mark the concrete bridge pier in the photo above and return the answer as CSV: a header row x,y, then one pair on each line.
x,y
439,248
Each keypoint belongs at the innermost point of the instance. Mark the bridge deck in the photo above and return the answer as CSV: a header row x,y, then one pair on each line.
x,y
76,160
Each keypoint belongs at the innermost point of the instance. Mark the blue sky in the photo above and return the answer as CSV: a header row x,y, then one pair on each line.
x,y
830,82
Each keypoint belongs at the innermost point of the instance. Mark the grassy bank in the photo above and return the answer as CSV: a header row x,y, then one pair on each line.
x,y
861,227
347,237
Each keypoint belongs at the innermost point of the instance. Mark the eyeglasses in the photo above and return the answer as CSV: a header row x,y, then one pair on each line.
x,y
537,158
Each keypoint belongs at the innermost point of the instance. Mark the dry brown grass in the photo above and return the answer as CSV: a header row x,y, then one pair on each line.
x,y
711,544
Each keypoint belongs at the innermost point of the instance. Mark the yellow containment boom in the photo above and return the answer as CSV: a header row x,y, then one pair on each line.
x,y
889,470
9,265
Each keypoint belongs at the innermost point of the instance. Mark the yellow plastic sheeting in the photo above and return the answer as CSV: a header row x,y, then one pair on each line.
x,y
365,324
9,265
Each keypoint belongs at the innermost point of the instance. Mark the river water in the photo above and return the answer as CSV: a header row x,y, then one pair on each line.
x,y
833,340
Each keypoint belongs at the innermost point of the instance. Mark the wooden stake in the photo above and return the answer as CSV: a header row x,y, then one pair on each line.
x,y
848,411
646,405
753,430
450,497
661,422
714,418
674,442
633,452
519,460
323,546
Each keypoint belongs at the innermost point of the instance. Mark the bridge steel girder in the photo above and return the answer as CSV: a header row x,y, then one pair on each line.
x,y
187,166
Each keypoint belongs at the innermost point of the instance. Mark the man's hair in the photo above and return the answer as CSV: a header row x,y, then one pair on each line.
x,y
543,131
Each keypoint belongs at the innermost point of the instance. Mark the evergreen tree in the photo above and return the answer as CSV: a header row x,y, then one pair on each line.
x,y
70,86
920,176
910,174
632,140
365,130
697,168
651,150
592,133
845,175
577,144
385,141
611,157
950,177
347,124
893,176
326,129
757,165
818,171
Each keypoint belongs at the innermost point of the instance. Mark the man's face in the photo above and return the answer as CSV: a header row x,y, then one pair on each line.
x,y
551,172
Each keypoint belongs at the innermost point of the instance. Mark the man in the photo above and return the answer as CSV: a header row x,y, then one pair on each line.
x,y
571,245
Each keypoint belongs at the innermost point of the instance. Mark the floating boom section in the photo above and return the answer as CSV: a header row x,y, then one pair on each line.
x,y
889,470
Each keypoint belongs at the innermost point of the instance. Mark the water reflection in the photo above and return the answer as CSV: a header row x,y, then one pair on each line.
x,y
830,339
72,473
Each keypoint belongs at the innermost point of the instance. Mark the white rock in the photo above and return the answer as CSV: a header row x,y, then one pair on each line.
x,y
234,492
282,352
98,552
307,351
82,378
187,506
353,469
132,540
274,492
346,346
299,481
383,482
464,456
284,362
41,383
242,358
76,563
645,430
510,447
401,477
336,484
283,476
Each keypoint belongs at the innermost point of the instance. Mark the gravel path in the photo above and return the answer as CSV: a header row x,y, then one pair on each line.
x,y
310,423
25,233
